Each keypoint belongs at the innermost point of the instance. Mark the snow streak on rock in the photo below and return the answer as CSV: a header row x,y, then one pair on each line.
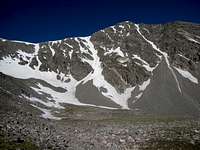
x,y
187,75
117,51
192,40
164,54
52,50
37,47
144,63
189,36
142,88
144,85
46,113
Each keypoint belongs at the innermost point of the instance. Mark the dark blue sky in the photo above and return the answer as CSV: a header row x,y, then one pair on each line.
x,y
43,20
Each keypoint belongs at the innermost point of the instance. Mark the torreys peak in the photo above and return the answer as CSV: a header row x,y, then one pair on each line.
x,y
146,68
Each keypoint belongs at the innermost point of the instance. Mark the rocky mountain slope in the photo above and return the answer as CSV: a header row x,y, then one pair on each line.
x,y
151,69
129,86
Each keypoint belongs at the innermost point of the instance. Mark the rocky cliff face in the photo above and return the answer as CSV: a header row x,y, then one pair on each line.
x,y
148,68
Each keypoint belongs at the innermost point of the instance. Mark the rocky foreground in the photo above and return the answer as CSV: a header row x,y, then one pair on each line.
x,y
21,127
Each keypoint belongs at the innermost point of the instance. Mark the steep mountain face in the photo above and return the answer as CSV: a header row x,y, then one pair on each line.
x,y
153,69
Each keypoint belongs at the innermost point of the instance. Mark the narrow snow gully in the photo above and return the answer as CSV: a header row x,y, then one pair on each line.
x,y
37,47
164,54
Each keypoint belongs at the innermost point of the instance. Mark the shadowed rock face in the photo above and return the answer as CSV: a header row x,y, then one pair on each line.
x,y
121,60
177,38
163,97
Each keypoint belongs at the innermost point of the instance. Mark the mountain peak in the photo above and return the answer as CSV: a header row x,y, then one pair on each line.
x,y
118,64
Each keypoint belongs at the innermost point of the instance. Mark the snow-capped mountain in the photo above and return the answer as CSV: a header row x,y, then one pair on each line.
x,y
148,68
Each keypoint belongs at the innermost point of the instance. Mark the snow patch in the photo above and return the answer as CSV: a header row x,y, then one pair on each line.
x,y
184,57
121,26
37,48
128,34
58,97
55,42
52,50
47,104
192,40
25,72
144,85
144,63
139,95
70,54
24,55
68,45
46,113
114,30
117,51
187,74
142,88
82,49
188,36
122,60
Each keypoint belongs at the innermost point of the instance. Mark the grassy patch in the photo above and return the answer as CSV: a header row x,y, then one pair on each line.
x,y
170,145
140,119
5,144
115,116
